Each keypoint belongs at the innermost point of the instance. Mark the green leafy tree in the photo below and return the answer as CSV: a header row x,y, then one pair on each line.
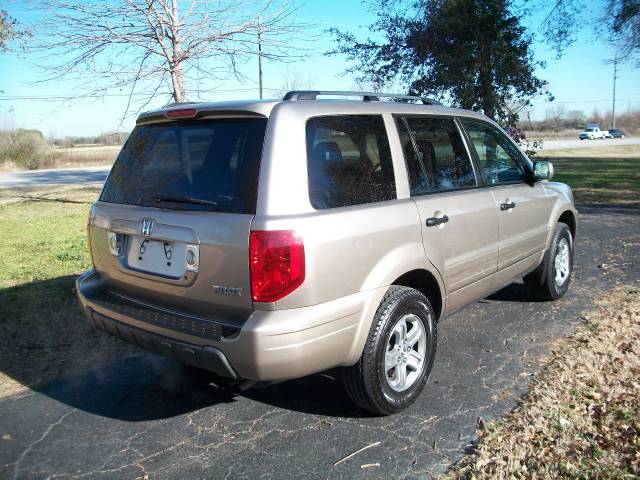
x,y
473,53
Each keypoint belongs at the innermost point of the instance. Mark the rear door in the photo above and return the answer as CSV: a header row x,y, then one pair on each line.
x,y
523,208
173,220
459,219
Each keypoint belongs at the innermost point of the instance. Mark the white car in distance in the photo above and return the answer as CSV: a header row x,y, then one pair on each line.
x,y
592,133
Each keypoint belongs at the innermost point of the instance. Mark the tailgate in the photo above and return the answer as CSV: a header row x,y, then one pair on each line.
x,y
153,268
171,227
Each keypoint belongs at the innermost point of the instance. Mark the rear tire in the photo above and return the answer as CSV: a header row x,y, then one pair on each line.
x,y
551,279
397,356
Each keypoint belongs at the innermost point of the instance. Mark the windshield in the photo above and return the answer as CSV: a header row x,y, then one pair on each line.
x,y
209,165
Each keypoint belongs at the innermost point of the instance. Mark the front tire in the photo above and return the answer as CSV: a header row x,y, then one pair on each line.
x,y
398,355
551,279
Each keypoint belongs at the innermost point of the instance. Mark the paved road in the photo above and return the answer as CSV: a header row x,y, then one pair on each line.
x,y
86,176
577,143
146,415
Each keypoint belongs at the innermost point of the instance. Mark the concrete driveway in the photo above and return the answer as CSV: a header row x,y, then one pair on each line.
x,y
147,417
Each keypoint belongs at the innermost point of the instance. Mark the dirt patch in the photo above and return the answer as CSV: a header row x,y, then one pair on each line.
x,y
70,193
581,417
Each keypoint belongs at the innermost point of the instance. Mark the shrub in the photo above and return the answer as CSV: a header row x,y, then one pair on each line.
x,y
25,148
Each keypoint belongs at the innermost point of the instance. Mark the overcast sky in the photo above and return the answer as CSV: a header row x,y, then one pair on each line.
x,y
579,80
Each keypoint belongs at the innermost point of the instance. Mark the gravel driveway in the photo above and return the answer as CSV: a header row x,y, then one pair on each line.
x,y
147,417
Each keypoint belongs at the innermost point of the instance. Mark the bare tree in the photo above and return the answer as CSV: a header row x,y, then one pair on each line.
x,y
294,80
151,47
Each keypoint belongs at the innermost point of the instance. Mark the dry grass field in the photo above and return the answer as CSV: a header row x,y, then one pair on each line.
x,y
81,156
85,156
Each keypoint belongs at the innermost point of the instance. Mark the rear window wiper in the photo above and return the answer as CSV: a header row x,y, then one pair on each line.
x,y
183,199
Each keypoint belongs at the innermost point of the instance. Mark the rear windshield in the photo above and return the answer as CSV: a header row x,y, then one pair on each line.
x,y
209,165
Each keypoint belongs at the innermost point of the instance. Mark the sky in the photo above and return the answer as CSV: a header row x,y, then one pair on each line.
x,y
579,80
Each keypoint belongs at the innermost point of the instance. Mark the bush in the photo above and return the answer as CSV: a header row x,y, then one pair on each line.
x,y
25,148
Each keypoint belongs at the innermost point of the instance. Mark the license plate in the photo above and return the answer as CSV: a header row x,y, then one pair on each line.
x,y
156,257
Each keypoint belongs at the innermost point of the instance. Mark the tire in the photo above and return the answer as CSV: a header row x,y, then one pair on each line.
x,y
551,279
371,383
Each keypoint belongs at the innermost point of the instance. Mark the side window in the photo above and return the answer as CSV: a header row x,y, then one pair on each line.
x,y
435,155
500,160
349,161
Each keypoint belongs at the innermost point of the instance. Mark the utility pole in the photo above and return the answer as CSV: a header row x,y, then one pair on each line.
x,y
615,77
260,58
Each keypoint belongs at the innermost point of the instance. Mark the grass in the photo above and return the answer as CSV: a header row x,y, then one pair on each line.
x,y
45,238
43,248
609,175
581,416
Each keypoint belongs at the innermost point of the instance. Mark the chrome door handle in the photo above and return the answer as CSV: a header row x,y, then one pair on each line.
x,y
507,206
433,221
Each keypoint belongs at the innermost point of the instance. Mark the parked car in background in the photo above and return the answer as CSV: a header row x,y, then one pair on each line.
x,y
592,133
271,240
615,133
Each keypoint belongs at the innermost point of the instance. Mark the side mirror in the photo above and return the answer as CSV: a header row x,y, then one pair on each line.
x,y
542,170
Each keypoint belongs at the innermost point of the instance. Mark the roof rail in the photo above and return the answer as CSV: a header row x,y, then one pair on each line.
x,y
366,96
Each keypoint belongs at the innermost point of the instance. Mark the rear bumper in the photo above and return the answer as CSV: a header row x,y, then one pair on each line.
x,y
271,345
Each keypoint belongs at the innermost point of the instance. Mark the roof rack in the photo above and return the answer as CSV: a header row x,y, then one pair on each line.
x,y
366,96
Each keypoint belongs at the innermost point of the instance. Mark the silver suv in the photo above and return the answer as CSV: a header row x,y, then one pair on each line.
x,y
266,241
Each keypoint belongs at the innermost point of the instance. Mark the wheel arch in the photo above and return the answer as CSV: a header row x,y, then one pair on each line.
x,y
425,282
569,218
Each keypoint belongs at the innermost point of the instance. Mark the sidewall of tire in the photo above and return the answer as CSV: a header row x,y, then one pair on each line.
x,y
381,398
424,311
562,231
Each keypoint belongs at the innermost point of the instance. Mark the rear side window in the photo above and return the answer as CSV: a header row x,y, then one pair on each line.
x,y
435,155
349,161
209,165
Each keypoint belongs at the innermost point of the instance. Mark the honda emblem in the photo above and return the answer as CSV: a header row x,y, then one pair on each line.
x,y
147,227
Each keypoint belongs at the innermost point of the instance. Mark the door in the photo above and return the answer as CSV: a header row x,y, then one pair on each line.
x,y
459,219
523,208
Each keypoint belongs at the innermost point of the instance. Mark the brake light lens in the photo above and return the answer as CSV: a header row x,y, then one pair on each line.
x,y
276,264
182,113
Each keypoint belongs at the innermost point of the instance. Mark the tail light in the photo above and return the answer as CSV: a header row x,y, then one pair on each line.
x,y
276,263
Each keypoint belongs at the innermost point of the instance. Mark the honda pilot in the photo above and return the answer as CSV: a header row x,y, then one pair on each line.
x,y
270,240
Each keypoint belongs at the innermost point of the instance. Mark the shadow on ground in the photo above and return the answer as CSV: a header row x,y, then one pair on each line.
x,y
61,357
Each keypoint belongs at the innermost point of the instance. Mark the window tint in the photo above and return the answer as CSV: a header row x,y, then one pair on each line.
x,y
349,161
435,155
500,160
214,162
